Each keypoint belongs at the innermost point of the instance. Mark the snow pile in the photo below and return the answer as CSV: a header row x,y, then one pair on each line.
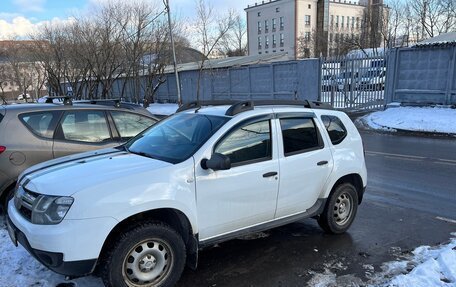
x,y
430,267
422,119
19,268
162,109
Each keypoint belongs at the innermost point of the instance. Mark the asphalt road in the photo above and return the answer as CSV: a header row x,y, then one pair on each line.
x,y
410,201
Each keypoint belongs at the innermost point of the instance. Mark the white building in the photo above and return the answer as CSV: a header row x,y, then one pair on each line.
x,y
300,26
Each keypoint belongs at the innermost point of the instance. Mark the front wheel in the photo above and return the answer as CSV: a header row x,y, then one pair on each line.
x,y
340,209
151,254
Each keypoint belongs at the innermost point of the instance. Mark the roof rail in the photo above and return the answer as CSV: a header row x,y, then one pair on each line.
x,y
115,101
66,100
237,107
199,104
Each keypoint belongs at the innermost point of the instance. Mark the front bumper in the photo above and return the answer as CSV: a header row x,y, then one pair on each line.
x,y
69,248
52,260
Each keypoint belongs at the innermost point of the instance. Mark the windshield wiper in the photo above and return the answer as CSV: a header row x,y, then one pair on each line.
x,y
141,153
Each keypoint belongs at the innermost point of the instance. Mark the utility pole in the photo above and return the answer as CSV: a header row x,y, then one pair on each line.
x,y
179,98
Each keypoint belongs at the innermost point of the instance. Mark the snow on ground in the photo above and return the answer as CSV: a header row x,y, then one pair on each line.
x,y
422,119
432,266
162,109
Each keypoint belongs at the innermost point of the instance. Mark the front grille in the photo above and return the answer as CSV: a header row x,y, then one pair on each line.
x,y
25,201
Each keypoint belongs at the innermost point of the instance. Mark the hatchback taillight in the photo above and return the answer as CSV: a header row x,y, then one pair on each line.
x,y
2,148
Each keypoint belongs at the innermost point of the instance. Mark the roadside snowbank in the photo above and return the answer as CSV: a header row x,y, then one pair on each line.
x,y
162,109
421,119
432,266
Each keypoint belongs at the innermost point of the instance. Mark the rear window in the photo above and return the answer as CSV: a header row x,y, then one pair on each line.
x,y
335,128
39,123
299,135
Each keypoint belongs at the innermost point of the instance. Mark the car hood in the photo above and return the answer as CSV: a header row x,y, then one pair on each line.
x,y
65,177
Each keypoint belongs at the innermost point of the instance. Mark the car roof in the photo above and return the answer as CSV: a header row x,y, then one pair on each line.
x,y
18,108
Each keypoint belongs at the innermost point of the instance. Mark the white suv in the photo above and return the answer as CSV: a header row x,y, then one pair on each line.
x,y
137,214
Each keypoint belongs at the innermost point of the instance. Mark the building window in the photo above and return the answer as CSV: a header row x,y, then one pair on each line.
x,y
277,9
332,20
348,22
337,21
310,6
357,22
274,41
259,27
342,23
331,37
281,23
266,42
307,20
259,42
259,14
281,40
353,22
307,36
274,24
266,26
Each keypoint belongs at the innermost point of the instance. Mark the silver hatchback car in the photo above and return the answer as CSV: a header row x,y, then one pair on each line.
x,y
33,133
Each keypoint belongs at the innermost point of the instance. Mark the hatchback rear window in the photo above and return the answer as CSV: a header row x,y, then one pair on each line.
x,y
39,123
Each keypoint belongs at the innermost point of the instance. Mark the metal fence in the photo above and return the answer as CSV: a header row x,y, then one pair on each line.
x,y
353,82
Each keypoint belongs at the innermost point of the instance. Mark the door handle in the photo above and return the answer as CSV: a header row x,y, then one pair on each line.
x,y
323,162
269,174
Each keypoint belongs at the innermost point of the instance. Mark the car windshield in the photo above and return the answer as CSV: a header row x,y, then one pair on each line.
x,y
176,138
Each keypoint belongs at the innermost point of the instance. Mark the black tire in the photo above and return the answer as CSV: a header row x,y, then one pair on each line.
x,y
340,209
142,252
5,198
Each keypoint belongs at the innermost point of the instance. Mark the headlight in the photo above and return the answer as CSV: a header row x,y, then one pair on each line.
x,y
50,209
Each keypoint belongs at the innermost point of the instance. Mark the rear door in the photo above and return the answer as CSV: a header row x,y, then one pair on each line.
x,y
305,163
82,130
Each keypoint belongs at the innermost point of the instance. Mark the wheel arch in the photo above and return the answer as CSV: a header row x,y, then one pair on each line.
x,y
173,217
353,178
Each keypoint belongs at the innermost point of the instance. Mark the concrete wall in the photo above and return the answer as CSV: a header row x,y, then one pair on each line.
x,y
282,80
422,75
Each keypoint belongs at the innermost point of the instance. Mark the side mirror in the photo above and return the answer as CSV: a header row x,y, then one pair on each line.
x,y
218,161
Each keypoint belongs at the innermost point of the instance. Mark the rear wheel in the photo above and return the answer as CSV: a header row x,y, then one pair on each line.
x,y
151,254
340,209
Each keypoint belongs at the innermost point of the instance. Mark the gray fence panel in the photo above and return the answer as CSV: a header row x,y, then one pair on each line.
x,y
422,75
309,82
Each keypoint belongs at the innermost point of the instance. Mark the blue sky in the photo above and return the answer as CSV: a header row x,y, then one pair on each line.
x,y
21,17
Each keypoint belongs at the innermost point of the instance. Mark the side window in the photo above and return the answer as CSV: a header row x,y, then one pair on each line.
x,y
247,144
299,135
129,125
39,123
85,126
335,128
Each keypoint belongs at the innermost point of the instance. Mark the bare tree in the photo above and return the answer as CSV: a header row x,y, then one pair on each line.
x,y
234,42
211,29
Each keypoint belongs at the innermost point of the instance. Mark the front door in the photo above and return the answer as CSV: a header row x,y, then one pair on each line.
x,y
246,194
